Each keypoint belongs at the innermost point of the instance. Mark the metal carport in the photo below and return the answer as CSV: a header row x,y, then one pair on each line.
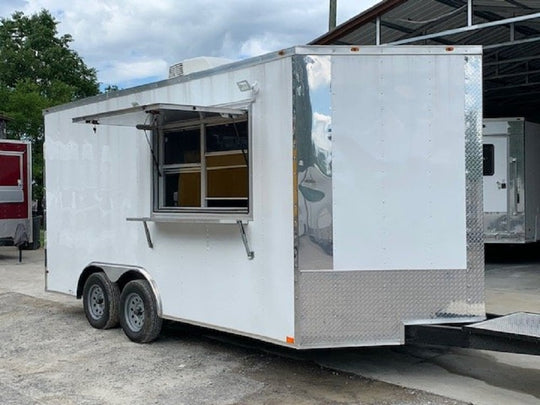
x,y
509,31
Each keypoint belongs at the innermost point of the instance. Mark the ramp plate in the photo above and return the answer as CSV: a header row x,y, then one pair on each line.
x,y
520,323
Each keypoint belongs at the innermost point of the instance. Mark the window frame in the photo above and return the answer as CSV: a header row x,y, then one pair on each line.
x,y
201,213
153,119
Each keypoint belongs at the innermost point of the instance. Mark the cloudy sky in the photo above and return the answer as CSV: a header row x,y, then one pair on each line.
x,y
132,42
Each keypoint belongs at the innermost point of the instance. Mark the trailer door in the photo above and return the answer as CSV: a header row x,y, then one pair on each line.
x,y
11,177
495,173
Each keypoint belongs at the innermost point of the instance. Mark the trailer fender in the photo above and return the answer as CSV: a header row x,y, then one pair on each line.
x,y
121,274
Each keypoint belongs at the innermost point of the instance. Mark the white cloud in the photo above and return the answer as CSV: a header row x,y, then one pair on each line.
x,y
318,70
128,40
128,71
259,45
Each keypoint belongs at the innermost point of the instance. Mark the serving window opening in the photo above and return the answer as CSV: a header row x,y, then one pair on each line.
x,y
200,159
203,166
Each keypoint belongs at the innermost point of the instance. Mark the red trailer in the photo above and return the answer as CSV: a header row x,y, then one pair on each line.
x,y
15,192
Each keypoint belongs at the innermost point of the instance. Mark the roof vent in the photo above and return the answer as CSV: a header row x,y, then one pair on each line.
x,y
176,70
196,65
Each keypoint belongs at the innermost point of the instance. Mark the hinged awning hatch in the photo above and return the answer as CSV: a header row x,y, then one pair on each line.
x,y
146,116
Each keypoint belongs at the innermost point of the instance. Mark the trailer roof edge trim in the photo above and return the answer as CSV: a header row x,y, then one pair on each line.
x,y
280,54
283,53
142,116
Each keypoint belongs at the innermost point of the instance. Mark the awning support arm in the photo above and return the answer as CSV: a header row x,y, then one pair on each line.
x,y
148,237
154,158
250,253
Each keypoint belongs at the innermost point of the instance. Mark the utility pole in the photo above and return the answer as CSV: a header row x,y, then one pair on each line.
x,y
332,15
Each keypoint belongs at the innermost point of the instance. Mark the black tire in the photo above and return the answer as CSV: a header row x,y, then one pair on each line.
x,y
138,312
101,301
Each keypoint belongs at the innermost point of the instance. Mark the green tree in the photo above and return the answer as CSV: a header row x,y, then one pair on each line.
x,y
38,70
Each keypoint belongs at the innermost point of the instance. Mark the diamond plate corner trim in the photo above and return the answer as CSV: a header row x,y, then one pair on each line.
x,y
474,179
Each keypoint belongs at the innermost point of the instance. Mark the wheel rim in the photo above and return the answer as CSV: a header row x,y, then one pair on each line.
x,y
134,312
96,302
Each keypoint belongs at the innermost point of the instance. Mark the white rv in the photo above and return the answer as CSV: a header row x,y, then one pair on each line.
x,y
312,197
511,180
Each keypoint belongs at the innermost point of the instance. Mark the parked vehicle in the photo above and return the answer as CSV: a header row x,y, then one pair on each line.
x,y
511,180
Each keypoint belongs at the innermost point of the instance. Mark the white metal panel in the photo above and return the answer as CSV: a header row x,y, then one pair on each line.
x,y
96,180
399,162
496,186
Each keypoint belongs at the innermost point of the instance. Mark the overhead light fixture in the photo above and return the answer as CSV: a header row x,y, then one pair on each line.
x,y
244,85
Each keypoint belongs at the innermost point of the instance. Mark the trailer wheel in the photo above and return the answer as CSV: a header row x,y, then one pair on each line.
x,y
101,301
139,318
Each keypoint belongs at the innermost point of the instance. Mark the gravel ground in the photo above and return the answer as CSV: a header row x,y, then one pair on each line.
x,y
50,355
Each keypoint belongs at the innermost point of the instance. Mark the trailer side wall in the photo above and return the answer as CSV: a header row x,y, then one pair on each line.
x,y
95,180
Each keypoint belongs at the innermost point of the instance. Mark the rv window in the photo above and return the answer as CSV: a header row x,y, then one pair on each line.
x,y
203,168
489,159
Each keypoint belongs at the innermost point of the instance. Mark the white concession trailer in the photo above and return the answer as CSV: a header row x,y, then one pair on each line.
x,y
511,180
312,197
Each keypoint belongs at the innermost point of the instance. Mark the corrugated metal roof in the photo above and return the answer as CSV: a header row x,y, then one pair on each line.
x,y
511,41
